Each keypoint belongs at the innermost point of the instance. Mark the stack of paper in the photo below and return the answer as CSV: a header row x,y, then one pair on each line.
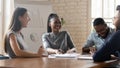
x,y
85,57
73,55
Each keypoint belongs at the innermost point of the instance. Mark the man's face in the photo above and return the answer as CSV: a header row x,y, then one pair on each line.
x,y
116,20
101,30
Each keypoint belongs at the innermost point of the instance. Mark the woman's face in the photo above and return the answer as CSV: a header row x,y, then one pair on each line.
x,y
116,20
24,19
55,24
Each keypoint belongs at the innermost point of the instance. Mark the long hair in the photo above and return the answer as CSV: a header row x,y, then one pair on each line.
x,y
15,24
52,15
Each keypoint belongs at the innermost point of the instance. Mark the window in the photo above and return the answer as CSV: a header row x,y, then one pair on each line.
x,y
6,7
104,9
0,6
0,13
1,24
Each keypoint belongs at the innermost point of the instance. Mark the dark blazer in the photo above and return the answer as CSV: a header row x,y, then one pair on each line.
x,y
110,47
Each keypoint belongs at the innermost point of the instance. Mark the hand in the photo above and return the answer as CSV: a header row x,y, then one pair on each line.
x,y
73,50
58,52
92,50
69,51
113,57
41,50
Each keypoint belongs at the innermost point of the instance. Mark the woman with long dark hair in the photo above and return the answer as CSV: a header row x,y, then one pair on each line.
x,y
56,41
14,42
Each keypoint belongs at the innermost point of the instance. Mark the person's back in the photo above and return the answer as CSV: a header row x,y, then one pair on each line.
x,y
112,46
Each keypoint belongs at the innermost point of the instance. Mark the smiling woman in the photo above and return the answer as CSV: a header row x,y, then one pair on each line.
x,y
56,41
14,42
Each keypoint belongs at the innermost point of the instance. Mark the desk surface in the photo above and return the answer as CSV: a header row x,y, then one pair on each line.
x,y
51,63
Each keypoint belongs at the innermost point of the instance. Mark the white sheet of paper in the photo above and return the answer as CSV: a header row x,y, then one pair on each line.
x,y
72,55
85,57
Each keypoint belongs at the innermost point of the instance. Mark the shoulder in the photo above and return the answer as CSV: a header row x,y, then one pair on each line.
x,y
117,32
64,32
45,34
116,35
112,29
93,33
12,36
9,33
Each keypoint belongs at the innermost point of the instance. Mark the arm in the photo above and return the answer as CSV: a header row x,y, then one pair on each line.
x,y
89,43
16,49
73,50
53,51
85,50
110,47
70,44
47,46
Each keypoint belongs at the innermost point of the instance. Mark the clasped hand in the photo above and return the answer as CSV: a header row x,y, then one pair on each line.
x,y
92,50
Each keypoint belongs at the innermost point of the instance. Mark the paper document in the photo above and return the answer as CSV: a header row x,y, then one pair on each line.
x,y
73,55
85,57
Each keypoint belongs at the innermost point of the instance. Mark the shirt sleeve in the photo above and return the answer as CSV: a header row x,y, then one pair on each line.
x,y
109,47
45,41
69,41
89,41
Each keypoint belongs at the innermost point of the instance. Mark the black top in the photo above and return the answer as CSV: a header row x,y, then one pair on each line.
x,y
60,41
